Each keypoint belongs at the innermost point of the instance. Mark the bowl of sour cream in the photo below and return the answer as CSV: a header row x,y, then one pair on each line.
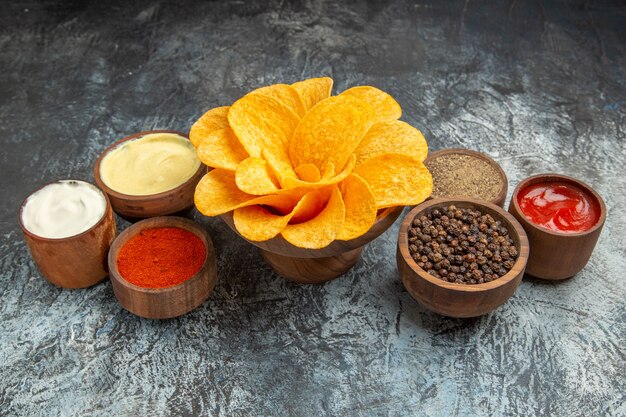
x,y
68,226
148,174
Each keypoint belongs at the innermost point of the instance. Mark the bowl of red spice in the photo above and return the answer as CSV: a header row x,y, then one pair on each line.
x,y
461,257
563,218
162,267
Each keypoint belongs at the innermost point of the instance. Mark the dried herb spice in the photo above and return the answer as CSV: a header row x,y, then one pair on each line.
x,y
463,246
466,175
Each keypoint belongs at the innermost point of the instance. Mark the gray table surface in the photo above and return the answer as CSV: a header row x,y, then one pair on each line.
x,y
540,86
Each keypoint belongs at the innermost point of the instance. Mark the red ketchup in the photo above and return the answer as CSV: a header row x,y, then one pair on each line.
x,y
559,206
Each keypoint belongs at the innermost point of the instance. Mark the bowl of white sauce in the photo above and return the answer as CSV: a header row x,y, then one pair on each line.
x,y
69,227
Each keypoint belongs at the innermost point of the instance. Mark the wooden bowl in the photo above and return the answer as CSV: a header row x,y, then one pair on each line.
x,y
554,255
452,299
78,261
135,207
501,197
164,303
316,266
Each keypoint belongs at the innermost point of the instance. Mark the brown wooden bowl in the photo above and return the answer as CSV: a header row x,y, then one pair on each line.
x,y
135,207
164,303
554,255
316,266
501,197
452,299
78,261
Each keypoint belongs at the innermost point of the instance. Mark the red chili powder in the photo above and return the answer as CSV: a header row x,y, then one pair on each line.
x,y
162,257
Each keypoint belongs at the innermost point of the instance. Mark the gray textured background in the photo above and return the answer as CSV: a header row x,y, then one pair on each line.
x,y
539,85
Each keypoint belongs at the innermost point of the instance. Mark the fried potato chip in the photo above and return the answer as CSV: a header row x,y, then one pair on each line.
x,y
254,176
392,136
313,90
385,105
286,94
360,207
264,127
210,121
221,149
308,173
396,180
330,131
323,181
321,230
316,201
259,224
328,170
217,193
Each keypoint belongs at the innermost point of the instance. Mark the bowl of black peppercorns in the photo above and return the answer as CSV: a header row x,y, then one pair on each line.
x,y
461,257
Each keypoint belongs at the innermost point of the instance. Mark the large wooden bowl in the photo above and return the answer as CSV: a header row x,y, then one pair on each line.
x,y
316,266
554,255
77,261
501,197
135,207
460,300
164,303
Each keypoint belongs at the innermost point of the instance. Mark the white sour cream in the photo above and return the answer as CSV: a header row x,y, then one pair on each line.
x,y
63,209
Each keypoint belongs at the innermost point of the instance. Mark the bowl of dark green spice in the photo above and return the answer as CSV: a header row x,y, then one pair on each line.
x,y
463,172
461,257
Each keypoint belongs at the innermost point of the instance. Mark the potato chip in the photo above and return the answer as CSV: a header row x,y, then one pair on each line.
x,y
210,121
217,193
316,201
285,200
313,90
328,170
360,207
385,105
308,173
221,149
264,127
297,162
286,94
254,176
259,224
392,136
396,180
324,181
320,231
330,131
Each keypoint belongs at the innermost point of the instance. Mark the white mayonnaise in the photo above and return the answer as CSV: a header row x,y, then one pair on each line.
x,y
62,209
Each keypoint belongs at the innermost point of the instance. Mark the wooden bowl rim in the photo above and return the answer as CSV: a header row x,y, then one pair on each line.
x,y
501,196
108,208
158,222
550,177
382,215
146,197
518,266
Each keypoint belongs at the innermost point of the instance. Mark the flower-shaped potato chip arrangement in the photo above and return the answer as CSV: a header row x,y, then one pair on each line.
x,y
294,161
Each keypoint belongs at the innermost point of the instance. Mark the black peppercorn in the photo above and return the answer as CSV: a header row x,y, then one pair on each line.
x,y
461,245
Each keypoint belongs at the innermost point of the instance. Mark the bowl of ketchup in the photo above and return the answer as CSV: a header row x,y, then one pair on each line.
x,y
563,218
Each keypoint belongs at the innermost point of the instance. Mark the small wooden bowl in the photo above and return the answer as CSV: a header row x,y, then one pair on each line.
x,y
554,255
501,197
452,299
78,261
164,303
135,207
316,266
